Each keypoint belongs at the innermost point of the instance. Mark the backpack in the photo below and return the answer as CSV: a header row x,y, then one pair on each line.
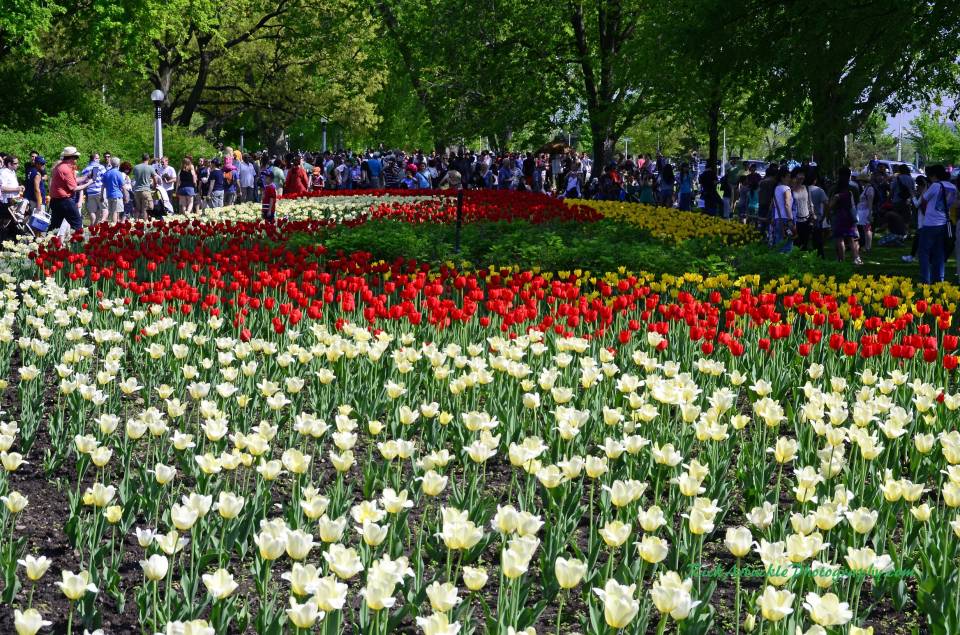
x,y
228,177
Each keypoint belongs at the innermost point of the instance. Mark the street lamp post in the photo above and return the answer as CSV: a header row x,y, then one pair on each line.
x,y
241,139
157,98
626,148
324,121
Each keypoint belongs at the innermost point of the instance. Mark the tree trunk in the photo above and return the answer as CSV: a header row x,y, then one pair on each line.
x,y
713,137
203,72
604,143
828,151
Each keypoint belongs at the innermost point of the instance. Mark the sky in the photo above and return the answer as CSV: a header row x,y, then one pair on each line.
x,y
905,117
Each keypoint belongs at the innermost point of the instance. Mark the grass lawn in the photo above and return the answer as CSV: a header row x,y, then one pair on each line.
x,y
886,261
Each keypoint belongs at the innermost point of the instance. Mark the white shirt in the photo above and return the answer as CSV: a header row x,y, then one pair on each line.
x,y
780,210
8,181
865,206
247,174
169,178
936,202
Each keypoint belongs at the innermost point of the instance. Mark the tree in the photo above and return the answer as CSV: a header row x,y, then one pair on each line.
x,y
709,66
609,50
280,58
23,23
832,65
470,66
936,140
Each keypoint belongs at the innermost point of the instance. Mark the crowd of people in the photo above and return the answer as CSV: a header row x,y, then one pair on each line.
x,y
791,203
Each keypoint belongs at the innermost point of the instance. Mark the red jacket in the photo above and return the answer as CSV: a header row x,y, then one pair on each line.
x,y
296,182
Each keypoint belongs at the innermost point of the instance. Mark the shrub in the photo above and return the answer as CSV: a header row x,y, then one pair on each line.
x,y
124,135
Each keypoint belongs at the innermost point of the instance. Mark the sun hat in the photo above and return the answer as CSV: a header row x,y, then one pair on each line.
x,y
69,151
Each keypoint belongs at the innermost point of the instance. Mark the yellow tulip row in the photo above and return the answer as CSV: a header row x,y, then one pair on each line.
x,y
672,225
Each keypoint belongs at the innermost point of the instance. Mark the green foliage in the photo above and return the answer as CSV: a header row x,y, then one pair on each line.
x,y
832,65
598,247
123,135
935,140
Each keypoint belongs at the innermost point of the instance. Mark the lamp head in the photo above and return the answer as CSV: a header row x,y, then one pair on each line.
x,y
157,97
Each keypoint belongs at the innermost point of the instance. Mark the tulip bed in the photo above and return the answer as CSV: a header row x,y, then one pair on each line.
x,y
351,207
213,430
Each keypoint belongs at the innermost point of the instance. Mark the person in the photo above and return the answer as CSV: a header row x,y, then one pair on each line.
x,y
865,210
727,191
666,181
375,169
408,182
296,183
423,182
451,180
802,208
268,200
162,205
765,188
573,187
843,219
818,202
505,174
144,177
126,169
742,198
782,227
278,176
201,200
230,186
685,188
556,169
708,188
647,194
216,185
187,182
10,187
874,164
112,183
36,184
955,220
94,205
316,179
167,177
247,176
903,189
63,186
935,203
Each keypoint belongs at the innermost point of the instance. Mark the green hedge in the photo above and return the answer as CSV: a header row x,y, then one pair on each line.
x,y
598,247
124,135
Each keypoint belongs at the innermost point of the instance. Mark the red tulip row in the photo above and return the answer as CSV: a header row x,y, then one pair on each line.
x,y
478,205
190,266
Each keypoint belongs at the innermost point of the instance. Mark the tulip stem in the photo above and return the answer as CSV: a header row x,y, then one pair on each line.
x,y
560,612
738,596
662,625
70,620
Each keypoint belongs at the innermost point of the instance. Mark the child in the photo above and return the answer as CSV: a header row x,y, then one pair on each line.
x,y
316,179
268,202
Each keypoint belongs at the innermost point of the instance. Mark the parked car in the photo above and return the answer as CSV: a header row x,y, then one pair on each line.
x,y
892,166
761,165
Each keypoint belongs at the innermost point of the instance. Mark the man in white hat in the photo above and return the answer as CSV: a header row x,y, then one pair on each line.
x,y
63,184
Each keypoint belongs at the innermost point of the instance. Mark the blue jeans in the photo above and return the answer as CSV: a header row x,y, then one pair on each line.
x,y
932,253
64,209
781,236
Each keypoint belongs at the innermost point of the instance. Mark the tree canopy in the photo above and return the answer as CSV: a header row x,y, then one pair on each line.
x,y
430,73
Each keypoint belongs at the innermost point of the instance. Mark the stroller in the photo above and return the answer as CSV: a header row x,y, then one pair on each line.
x,y
16,220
